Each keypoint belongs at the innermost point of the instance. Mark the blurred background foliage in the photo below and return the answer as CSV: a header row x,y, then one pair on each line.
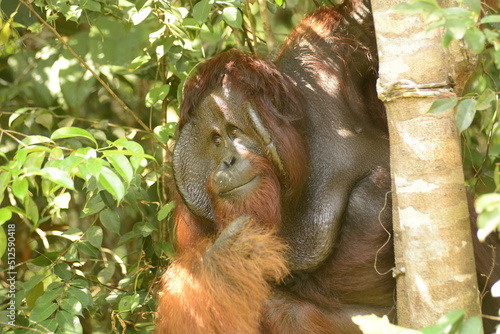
x,y
84,157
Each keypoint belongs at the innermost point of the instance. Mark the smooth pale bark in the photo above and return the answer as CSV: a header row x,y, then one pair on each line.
x,y
435,266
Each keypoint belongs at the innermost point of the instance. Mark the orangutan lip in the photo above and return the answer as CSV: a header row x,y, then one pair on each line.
x,y
254,181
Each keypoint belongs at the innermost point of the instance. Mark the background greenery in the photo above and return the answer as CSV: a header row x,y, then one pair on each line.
x,y
84,172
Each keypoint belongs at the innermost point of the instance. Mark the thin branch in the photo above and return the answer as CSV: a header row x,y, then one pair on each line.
x,y
252,26
266,23
104,84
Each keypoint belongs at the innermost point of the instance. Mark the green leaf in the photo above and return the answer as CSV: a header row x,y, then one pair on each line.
x,y
72,254
375,325
495,289
488,221
201,10
45,259
20,187
456,27
69,323
59,177
72,305
447,324
473,325
112,183
140,15
33,281
72,132
491,19
31,210
144,228
87,248
42,311
34,294
474,5
165,210
81,294
164,132
17,114
156,94
111,220
90,5
129,303
232,16
94,236
139,61
122,166
465,114
485,99
63,270
441,105
4,182
475,39
50,295
62,201
33,140
105,275
3,242
45,120
34,161
5,215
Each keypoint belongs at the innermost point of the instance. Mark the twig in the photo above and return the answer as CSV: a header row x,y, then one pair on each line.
x,y
266,23
104,84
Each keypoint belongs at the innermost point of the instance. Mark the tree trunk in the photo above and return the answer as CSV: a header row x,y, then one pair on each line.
x,y
434,257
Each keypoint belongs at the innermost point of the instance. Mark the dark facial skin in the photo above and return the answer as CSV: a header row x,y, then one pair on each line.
x,y
223,136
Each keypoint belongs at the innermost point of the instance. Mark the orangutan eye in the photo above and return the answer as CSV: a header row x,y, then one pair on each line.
x,y
233,132
217,140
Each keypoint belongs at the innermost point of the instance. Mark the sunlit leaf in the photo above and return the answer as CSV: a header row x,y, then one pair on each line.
x,y
64,271
165,210
42,311
62,201
72,132
58,176
122,166
69,323
491,19
94,235
374,325
475,39
473,325
201,10
112,183
485,99
20,187
495,289
465,114
5,215
164,132
456,27
441,105
72,305
156,94
106,274
232,16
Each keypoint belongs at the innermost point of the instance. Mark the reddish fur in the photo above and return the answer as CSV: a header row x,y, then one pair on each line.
x,y
224,292
221,292
264,204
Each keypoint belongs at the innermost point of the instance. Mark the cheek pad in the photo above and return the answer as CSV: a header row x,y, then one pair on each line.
x,y
192,167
